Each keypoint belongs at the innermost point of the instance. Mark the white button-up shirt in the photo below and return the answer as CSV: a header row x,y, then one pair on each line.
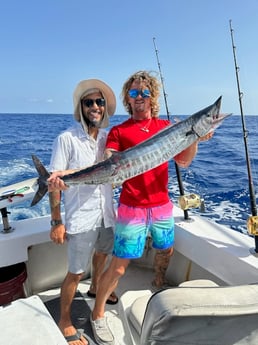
x,y
85,205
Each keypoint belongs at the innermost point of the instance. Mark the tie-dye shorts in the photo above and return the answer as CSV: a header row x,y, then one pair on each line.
x,y
134,224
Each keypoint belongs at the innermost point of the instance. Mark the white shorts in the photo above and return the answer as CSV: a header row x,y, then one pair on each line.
x,y
80,247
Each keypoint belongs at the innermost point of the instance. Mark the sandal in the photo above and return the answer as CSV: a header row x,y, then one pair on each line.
x,y
74,337
109,301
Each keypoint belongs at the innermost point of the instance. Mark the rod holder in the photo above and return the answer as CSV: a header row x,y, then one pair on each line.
x,y
7,228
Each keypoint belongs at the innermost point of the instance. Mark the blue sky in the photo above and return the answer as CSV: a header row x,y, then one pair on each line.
x,y
48,46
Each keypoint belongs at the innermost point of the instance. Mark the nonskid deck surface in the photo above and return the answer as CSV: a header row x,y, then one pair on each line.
x,y
137,279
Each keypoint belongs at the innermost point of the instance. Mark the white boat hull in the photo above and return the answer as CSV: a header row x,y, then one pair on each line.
x,y
203,250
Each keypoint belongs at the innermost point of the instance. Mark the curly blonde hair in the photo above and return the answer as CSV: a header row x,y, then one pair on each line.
x,y
153,85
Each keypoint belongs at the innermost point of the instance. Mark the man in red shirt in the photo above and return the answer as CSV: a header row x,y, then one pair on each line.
x,y
144,205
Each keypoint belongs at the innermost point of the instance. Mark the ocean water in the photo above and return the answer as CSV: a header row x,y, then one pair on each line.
x,y
218,174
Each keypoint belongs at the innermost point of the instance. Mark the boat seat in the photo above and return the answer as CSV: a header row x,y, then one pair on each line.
x,y
27,321
198,313
198,283
137,310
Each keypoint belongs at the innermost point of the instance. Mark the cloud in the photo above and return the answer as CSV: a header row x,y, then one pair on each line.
x,y
38,100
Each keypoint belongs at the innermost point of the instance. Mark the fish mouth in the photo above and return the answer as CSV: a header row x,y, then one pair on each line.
x,y
217,119
218,102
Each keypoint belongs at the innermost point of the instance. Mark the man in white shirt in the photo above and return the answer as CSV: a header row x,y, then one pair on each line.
x,y
89,213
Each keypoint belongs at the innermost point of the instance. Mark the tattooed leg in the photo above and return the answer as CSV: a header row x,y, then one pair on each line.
x,y
161,262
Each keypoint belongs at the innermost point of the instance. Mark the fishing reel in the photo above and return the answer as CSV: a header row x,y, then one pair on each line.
x,y
252,225
191,201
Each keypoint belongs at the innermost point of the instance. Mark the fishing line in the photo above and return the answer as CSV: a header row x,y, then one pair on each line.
x,y
252,223
185,201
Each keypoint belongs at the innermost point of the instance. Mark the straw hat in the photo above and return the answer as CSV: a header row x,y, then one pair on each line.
x,y
86,87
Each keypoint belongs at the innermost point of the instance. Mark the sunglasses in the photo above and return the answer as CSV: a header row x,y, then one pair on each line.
x,y
134,93
89,102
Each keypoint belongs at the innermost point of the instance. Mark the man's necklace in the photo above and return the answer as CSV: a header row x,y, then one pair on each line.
x,y
144,128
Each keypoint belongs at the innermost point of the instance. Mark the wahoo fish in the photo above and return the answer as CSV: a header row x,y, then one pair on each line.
x,y
159,148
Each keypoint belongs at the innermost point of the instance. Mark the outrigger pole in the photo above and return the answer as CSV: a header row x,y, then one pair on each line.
x,y
178,173
252,223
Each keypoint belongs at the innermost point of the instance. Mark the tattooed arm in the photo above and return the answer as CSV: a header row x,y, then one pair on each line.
x,y
57,232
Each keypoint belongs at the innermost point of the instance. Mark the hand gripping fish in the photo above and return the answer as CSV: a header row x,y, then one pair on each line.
x,y
145,156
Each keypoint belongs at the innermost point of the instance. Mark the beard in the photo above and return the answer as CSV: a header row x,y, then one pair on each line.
x,y
93,123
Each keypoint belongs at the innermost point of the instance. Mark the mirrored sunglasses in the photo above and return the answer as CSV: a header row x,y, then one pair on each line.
x,y
89,102
134,93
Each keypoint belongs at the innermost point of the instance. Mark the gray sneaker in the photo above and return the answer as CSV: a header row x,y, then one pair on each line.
x,y
101,331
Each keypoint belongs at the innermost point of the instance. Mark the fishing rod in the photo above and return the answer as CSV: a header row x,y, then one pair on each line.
x,y
186,201
252,223
162,79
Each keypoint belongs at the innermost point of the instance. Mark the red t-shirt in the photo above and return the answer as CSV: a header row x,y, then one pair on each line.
x,y
150,188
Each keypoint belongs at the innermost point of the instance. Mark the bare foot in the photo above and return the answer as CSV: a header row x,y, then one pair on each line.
x,y
73,337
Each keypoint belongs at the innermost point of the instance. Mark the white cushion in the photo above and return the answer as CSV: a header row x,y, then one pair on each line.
x,y
137,312
202,316
27,321
198,282
138,308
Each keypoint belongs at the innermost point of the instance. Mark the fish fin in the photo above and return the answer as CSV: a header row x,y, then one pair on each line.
x,y
43,176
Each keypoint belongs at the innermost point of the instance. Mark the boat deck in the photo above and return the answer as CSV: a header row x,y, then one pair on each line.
x,y
137,280
203,250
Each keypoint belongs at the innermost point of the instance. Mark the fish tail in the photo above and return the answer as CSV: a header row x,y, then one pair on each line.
x,y
42,180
